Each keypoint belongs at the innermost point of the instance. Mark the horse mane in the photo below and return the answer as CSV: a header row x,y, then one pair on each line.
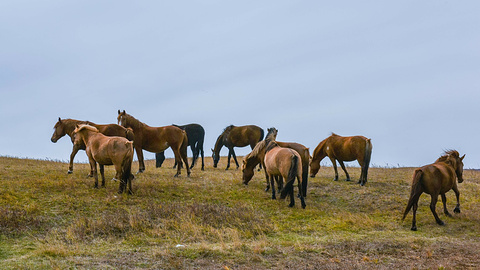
x,y
134,122
256,150
86,127
271,145
271,134
447,154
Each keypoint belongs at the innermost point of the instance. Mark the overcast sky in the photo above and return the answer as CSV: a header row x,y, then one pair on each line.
x,y
404,73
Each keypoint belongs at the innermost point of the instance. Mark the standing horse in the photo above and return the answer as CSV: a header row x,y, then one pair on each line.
x,y
436,179
107,150
196,137
284,162
258,153
67,126
343,149
233,136
156,140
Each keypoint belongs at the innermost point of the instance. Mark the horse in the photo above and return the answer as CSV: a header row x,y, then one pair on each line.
x,y
436,179
258,153
284,162
343,149
196,137
156,140
67,126
106,150
233,136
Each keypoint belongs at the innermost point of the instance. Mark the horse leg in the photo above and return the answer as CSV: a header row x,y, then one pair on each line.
x,y
75,149
228,159
235,158
159,159
203,165
334,163
300,192
272,185
344,169
414,218
457,194
102,173
93,167
184,157
141,164
433,203
444,201
195,155
266,177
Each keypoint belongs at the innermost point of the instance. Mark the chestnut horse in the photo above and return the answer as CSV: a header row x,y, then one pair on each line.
x,y
196,137
258,153
233,136
67,126
343,149
436,179
106,150
284,162
156,140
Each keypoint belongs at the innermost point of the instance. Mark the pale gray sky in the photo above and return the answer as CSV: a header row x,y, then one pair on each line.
x,y
404,73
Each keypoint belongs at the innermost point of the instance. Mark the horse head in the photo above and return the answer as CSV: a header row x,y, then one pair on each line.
x,y
271,134
216,158
453,158
59,131
247,172
121,118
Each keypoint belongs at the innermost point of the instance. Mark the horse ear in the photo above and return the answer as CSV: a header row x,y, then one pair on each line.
x,y
462,157
118,111
59,119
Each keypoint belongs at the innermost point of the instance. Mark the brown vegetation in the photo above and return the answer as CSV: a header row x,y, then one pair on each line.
x,y
51,220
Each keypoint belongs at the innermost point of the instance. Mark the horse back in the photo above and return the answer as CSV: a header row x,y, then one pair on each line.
x,y
437,178
245,135
158,139
346,148
109,150
278,161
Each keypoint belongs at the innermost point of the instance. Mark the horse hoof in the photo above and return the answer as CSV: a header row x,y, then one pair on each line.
x,y
456,210
303,206
291,205
441,223
414,228
139,171
69,171
348,180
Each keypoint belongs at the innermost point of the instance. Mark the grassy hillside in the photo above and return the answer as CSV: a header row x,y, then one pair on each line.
x,y
51,220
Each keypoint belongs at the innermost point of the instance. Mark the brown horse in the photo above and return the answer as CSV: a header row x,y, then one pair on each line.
x,y
156,140
436,179
233,136
106,150
284,162
343,149
258,154
67,126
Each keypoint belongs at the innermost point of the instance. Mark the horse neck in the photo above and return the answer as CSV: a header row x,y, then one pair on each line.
x,y
69,125
134,123
218,144
319,152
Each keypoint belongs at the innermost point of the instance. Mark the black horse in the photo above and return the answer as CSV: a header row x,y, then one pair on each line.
x,y
196,136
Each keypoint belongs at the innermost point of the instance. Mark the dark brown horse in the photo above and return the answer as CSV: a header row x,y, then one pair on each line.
x,y
233,136
67,126
343,149
258,154
156,140
436,179
106,150
284,162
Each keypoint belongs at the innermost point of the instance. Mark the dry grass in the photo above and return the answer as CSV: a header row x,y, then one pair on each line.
x,y
51,220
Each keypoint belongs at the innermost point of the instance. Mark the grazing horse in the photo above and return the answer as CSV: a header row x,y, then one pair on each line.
x,y
67,126
258,153
436,179
156,140
233,136
196,137
107,150
284,162
343,149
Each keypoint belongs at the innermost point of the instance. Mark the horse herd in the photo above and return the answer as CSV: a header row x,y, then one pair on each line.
x,y
114,144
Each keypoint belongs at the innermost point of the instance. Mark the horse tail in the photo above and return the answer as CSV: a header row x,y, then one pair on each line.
x,y
305,173
415,191
292,174
262,134
366,158
127,167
